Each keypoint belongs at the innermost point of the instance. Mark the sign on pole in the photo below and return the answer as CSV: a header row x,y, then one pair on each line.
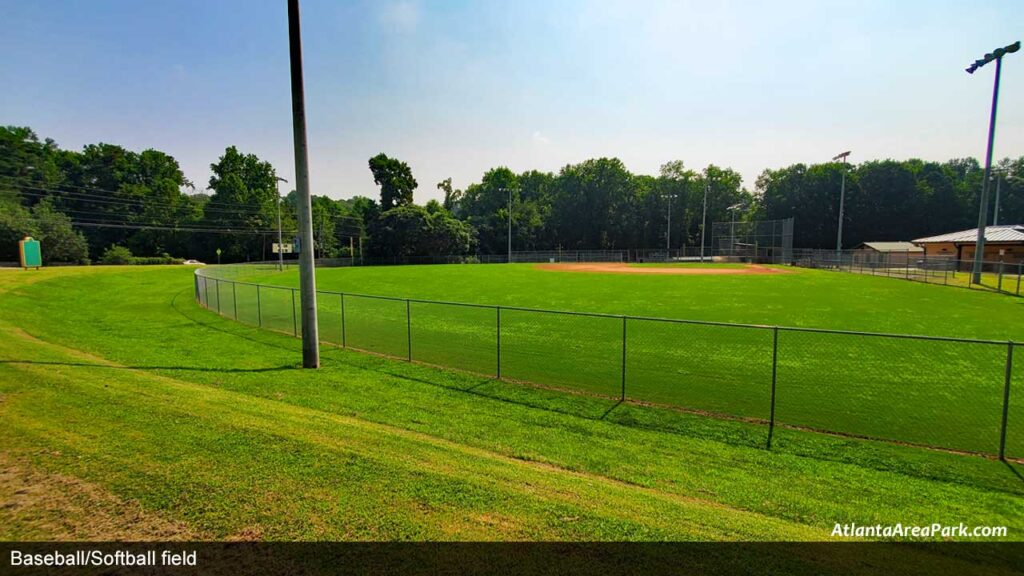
x,y
282,248
30,253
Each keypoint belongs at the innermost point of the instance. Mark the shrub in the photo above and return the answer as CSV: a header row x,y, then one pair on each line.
x,y
117,255
152,260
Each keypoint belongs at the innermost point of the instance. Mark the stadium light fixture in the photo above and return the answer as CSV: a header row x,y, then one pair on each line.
x,y
979,246
842,204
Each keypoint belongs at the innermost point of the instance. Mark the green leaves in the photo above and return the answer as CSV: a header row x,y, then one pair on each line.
x,y
395,180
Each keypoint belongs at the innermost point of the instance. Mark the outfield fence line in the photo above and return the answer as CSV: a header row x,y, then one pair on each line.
x,y
1000,276
683,254
937,392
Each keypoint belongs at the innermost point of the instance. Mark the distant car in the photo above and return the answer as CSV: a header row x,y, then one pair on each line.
x,y
193,263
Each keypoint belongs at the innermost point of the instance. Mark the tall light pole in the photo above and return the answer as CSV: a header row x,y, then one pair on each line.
x,y
995,212
280,245
509,224
979,247
732,227
668,231
307,272
704,218
842,204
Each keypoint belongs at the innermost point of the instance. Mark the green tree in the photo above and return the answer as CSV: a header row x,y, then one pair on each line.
x,y
588,199
58,240
452,197
246,202
395,180
15,223
485,207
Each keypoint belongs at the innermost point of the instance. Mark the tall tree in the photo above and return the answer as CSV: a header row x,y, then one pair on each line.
x,y
245,203
485,207
395,180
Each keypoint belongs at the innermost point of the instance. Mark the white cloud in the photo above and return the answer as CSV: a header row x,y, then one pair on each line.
x,y
540,139
402,16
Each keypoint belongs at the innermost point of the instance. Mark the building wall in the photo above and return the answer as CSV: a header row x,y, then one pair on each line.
x,y
1014,252
947,249
898,258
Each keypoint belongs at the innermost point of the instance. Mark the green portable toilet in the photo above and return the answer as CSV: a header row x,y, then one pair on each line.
x,y
31,255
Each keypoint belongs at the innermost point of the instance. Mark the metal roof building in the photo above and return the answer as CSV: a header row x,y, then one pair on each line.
x,y
890,247
1002,244
1007,233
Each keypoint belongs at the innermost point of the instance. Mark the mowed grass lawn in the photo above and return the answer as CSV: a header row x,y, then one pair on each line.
x,y
935,393
126,411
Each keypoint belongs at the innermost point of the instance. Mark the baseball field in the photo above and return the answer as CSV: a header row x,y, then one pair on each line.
x,y
934,391
131,412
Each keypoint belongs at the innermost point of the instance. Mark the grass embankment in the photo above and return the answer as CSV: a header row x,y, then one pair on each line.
x,y
943,394
114,380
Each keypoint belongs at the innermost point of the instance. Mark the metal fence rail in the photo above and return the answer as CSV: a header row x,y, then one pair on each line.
x,y
1001,276
948,393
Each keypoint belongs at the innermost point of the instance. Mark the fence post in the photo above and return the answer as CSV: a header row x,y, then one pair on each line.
x,y
295,325
623,358
408,331
775,363
343,343
259,308
195,279
1006,399
497,328
234,299
218,295
999,284
1020,269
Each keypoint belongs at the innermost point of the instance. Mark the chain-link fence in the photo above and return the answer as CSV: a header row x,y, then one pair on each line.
x,y
768,241
770,247
955,394
1000,276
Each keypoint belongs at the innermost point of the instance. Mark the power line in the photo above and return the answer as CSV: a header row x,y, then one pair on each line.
x,y
232,206
89,218
118,192
89,198
191,229
41,192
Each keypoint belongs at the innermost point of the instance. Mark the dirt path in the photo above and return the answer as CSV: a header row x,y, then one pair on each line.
x,y
624,268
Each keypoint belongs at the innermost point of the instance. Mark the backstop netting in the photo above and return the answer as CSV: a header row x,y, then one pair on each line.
x,y
765,241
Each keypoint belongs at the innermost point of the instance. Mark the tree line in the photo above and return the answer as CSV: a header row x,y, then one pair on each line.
x,y
83,204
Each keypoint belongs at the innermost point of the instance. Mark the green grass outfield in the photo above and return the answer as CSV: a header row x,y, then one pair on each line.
x,y
124,404
936,393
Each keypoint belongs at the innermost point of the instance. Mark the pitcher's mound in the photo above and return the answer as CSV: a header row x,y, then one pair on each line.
x,y
697,270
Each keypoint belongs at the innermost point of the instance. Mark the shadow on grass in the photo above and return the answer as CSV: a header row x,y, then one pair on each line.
x,y
211,326
873,454
1014,470
121,367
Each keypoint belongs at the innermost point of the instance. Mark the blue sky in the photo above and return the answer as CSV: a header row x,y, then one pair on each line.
x,y
455,88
